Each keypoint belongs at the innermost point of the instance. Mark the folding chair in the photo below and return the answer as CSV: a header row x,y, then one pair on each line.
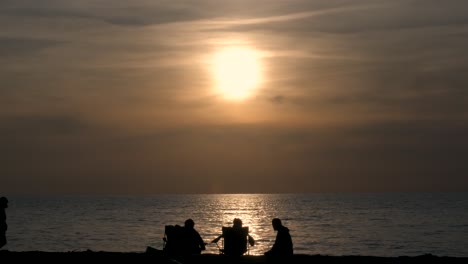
x,y
235,241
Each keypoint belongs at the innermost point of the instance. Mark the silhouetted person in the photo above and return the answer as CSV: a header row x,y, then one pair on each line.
x,y
283,246
174,240
235,239
193,242
3,224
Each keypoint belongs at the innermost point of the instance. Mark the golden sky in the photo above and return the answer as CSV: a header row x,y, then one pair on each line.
x,y
233,96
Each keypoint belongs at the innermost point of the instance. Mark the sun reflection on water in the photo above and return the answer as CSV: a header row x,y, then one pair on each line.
x,y
255,213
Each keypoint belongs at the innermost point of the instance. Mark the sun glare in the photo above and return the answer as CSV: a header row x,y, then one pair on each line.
x,y
236,72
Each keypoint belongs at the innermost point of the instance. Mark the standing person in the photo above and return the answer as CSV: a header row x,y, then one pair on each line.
x,y
194,243
3,224
283,246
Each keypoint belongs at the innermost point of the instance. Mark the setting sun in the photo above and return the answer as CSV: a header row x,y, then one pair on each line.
x,y
236,72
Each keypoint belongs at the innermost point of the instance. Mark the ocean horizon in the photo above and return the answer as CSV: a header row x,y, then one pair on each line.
x,y
372,224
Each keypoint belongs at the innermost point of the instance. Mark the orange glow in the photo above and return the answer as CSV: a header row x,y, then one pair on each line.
x,y
236,72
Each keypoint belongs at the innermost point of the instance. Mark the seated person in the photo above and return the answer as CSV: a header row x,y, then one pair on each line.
x,y
283,246
193,242
182,241
235,239
173,238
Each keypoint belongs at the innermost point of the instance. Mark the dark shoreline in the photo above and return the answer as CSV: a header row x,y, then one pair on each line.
x,y
158,257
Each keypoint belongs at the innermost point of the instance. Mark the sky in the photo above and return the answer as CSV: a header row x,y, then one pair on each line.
x,y
233,96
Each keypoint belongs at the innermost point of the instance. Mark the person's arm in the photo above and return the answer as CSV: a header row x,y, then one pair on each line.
x,y
277,243
200,242
217,239
251,240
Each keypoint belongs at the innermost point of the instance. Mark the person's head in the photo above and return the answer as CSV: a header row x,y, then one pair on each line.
x,y
237,222
276,223
189,223
3,202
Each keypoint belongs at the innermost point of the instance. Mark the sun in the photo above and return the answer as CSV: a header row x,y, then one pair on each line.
x,y
236,72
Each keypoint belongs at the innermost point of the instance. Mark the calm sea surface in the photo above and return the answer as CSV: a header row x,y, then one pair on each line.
x,y
327,224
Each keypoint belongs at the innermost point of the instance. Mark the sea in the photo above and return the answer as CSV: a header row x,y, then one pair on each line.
x,y
371,224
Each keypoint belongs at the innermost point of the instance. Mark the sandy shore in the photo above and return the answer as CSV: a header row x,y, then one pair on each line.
x,y
158,257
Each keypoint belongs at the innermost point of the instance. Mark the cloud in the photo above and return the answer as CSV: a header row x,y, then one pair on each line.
x,y
359,16
40,125
279,99
14,47
140,13
361,95
385,156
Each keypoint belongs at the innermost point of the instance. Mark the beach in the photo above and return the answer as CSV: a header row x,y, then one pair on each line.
x,y
160,258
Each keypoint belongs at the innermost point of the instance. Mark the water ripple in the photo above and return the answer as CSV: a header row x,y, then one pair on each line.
x,y
327,224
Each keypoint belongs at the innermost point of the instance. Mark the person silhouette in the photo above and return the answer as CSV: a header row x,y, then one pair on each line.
x,y
3,224
235,239
193,242
174,240
283,246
